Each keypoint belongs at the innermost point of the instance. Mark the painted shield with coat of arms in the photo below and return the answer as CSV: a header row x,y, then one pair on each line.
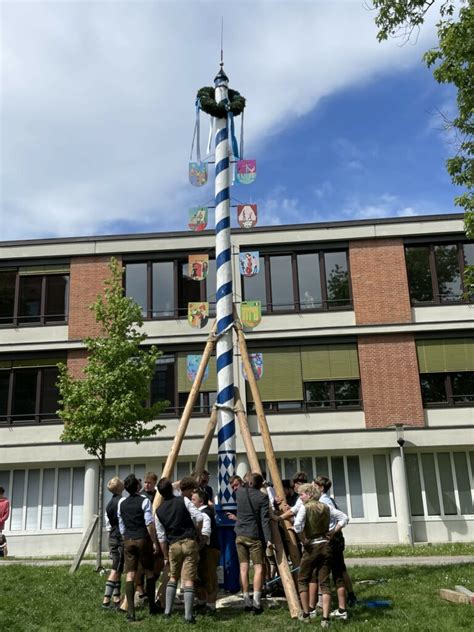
x,y
249,263
251,313
198,314
247,215
197,218
198,267
246,171
198,173
192,366
256,360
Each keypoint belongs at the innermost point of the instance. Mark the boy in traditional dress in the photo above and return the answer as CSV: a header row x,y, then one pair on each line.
x,y
112,585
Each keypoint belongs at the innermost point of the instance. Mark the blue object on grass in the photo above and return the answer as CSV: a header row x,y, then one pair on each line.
x,y
375,603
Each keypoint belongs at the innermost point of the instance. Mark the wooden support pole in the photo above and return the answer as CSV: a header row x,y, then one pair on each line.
x,y
280,555
187,412
267,440
206,446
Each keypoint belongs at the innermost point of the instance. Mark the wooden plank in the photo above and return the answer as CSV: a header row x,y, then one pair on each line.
x,y
453,596
465,591
206,446
85,542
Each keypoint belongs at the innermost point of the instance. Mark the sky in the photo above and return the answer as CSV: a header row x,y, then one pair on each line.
x,y
97,114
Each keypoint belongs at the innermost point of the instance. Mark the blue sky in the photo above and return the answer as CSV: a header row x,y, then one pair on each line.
x,y
97,114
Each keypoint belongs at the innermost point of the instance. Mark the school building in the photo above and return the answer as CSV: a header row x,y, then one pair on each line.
x,y
368,369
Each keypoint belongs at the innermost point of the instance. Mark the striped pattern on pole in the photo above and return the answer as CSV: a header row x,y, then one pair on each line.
x,y
224,309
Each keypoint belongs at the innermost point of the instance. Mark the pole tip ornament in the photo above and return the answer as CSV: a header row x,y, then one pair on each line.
x,y
221,78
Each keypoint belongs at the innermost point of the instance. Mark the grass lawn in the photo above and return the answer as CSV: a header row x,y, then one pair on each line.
x,y
419,550
48,599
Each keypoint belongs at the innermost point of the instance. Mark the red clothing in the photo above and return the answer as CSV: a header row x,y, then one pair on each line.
x,y
4,512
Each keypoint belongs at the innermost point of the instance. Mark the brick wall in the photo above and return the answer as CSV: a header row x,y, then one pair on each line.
x,y
86,282
379,281
390,380
76,361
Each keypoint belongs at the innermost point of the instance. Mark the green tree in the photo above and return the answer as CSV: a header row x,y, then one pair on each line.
x,y
453,63
109,402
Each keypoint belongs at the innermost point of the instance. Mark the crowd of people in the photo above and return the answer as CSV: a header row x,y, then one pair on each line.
x,y
179,544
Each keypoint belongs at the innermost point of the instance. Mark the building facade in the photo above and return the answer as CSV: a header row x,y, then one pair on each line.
x,y
368,369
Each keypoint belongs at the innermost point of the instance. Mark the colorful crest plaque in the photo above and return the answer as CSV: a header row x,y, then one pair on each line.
x,y
198,314
197,173
192,366
247,215
249,263
198,267
197,218
246,171
251,313
256,360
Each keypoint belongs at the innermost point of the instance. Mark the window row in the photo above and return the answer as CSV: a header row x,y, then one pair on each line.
x,y
435,272
34,295
440,484
44,499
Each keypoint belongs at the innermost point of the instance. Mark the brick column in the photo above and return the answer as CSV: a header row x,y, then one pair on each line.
x,y
390,380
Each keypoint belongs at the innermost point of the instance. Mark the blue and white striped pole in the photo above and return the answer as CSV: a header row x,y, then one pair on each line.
x,y
224,305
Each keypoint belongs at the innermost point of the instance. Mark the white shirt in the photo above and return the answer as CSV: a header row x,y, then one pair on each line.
x,y
147,513
206,524
195,514
336,517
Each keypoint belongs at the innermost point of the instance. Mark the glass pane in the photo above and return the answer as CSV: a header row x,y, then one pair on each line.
x,y
433,388
339,483
163,383
77,497
419,273
309,281
32,499
211,287
64,482
163,289
463,387
5,482
24,394
382,485
322,466
254,287
447,271
136,284
139,471
291,467
464,486
346,393
4,382
56,297
281,275
414,485
47,501
355,487
124,471
447,484
29,307
337,279
17,500
7,296
468,251
213,482
306,466
431,484
182,469
317,394
49,394
190,290
110,472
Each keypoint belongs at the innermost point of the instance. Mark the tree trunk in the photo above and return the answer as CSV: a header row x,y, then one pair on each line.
x,y
100,508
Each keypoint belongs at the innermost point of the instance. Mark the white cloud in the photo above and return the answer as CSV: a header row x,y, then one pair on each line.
x,y
97,98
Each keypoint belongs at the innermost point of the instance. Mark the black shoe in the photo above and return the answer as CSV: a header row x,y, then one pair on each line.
x,y
248,608
351,600
190,621
131,618
256,610
166,617
107,605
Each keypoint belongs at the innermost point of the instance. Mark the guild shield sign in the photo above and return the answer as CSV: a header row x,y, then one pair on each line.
x,y
197,173
198,314
198,267
251,313
197,218
246,171
256,360
247,215
249,263
192,366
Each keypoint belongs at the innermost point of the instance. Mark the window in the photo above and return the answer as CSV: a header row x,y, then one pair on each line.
x,y
122,471
34,295
447,389
382,485
435,272
440,484
28,391
333,395
163,289
163,382
300,282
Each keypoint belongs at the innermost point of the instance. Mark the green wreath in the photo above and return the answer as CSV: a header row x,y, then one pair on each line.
x,y
207,100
